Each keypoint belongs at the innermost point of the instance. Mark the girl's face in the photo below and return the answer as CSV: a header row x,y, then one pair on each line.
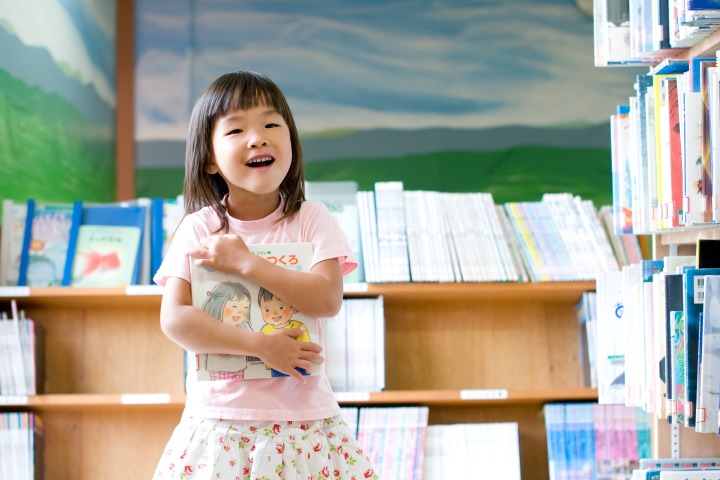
x,y
252,152
236,311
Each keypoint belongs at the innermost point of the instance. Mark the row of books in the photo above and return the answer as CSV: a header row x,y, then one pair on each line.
x,y
643,32
665,149
47,244
21,354
590,441
426,236
701,468
401,445
21,442
355,346
658,325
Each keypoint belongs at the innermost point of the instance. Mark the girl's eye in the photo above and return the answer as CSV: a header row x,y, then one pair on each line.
x,y
271,125
235,131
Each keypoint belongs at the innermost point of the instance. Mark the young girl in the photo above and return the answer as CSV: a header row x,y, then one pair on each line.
x,y
244,185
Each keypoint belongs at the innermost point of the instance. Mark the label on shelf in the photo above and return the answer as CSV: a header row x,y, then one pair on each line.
x,y
143,290
14,291
483,394
352,396
13,399
356,287
144,398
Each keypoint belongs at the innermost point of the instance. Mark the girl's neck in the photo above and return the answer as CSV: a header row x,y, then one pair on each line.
x,y
252,207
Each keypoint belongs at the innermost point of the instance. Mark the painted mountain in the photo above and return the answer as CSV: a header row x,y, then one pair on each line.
x,y
512,163
56,132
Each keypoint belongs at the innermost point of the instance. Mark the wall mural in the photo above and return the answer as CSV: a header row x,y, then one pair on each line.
x,y
487,95
57,100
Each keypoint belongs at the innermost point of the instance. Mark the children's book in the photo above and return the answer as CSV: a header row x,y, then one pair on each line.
x,y
237,300
124,214
105,256
45,243
708,397
11,242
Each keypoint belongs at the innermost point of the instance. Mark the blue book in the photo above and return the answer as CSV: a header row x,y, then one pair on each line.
x,y
115,215
694,291
165,216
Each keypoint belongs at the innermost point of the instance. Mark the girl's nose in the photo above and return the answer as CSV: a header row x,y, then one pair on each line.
x,y
256,140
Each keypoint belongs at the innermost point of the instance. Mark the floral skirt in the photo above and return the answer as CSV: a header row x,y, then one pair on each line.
x,y
258,450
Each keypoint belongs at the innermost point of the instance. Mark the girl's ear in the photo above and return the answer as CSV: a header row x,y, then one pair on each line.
x,y
212,168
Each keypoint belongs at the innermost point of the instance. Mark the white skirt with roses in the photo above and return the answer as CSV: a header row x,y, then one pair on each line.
x,y
202,449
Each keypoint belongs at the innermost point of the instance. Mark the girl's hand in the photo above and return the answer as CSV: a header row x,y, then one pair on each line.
x,y
226,253
284,353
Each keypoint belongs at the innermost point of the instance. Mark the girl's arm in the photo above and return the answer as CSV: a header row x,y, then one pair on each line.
x,y
195,330
317,293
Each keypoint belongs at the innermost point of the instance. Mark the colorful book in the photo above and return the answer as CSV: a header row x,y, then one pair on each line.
x,y
123,214
11,242
105,256
258,309
673,303
45,243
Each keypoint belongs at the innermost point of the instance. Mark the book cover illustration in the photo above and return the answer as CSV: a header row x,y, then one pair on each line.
x,y
11,241
105,256
239,301
45,243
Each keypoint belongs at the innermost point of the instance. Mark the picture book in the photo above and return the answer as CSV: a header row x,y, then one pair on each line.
x,y
11,242
237,300
45,243
105,256
123,214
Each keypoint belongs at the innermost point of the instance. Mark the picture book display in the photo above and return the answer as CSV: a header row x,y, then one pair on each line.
x,y
105,256
237,300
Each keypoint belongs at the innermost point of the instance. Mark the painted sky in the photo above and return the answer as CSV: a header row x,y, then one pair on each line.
x,y
86,47
381,63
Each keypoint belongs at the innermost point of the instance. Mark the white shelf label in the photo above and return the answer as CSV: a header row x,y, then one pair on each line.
x,y
355,287
352,396
143,290
13,399
483,394
14,291
144,398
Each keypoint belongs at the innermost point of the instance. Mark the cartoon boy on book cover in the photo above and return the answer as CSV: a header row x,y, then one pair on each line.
x,y
229,302
277,314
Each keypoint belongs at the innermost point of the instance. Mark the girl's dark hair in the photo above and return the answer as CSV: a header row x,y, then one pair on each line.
x,y
233,91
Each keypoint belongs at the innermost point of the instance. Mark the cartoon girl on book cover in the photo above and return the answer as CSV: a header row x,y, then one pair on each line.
x,y
229,302
277,314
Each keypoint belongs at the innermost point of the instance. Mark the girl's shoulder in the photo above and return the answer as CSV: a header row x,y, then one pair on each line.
x,y
204,219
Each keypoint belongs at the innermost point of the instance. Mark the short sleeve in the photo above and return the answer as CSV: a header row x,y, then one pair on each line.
x,y
328,239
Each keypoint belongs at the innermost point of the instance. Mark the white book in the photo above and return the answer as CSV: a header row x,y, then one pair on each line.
x,y
611,344
690,475
11,241
694,205
632,328
368,235
336,349
391,234
713,91
243,303
708,394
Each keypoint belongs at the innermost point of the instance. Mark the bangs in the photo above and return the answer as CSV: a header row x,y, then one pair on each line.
x,y
246,92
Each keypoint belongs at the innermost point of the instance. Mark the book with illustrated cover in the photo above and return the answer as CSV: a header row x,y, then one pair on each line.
x,y
11,240
45,243
105,256
237,300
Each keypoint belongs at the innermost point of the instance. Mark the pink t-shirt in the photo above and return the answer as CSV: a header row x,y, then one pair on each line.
x,y
271,398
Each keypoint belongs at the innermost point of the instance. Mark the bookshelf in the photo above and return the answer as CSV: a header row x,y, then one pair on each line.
x,y
471,352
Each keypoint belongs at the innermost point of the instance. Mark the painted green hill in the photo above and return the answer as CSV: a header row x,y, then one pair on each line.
x,y
516,174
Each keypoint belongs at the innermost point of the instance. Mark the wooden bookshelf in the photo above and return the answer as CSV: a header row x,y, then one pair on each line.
x,y
472,352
